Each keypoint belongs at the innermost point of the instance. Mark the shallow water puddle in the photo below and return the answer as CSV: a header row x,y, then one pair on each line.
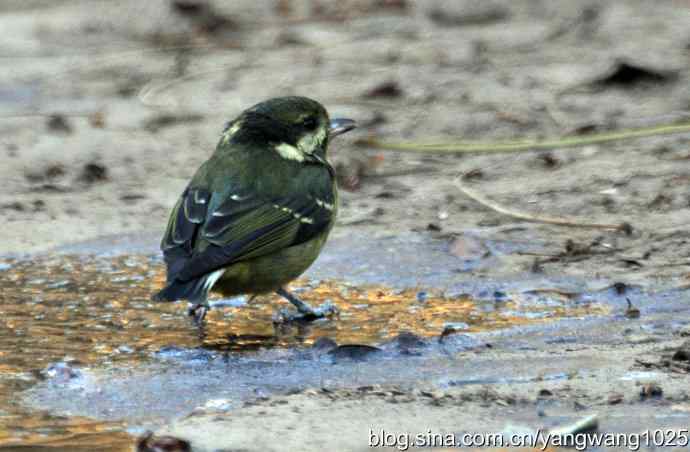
x,y
96,312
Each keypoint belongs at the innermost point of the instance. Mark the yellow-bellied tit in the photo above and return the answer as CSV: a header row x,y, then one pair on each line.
x,y
256,214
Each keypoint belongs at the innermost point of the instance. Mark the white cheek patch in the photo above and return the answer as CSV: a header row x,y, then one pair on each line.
x,y
310,143
289,152
307,145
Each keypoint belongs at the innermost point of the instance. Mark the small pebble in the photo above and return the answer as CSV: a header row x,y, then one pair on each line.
x,y
151,443
615,399
650,390
544,393
58,123
61,372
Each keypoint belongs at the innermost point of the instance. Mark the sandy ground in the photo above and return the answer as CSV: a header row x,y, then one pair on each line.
x,y
138,110
107,108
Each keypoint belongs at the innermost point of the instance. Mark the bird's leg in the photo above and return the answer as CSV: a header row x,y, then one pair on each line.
x,y
301,306
306,312
198,311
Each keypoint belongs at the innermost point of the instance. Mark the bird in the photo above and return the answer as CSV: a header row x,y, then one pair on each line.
x,y
258,212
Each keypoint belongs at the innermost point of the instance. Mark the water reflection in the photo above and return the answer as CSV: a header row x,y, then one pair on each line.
x,y
87,311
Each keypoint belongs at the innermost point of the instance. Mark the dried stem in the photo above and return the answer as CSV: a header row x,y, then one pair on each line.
x,y
534,218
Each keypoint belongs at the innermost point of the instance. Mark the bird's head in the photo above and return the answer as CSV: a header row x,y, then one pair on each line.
x,y
297,128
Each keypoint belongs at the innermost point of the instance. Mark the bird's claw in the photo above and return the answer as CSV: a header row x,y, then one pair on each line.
x,y
198,311
325,310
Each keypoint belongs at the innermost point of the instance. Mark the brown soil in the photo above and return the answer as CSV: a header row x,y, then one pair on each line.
x,y
107,108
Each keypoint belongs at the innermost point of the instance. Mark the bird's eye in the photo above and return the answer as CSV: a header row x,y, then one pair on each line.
x,y
310,123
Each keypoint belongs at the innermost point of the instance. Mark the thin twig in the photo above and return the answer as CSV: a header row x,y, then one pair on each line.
x,y
530,145
534,218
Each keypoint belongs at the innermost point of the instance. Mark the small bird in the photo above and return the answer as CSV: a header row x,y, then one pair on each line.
x,y
257,213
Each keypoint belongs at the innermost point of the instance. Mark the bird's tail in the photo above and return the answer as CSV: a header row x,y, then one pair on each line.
x,y
195,290
178,290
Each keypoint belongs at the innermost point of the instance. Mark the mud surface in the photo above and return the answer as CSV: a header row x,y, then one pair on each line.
x,y
91,359
107,108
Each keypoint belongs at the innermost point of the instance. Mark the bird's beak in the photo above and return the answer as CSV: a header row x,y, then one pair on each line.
x,y
339,126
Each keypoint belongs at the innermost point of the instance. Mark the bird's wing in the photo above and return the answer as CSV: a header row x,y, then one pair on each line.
x,y
200,240
180,236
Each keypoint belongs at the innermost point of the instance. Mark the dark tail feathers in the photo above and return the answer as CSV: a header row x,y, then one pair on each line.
x,y
193,290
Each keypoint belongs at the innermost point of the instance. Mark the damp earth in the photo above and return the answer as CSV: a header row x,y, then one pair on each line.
x,y
89,359
454,317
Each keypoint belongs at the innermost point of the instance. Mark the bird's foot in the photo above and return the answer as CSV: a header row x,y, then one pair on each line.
x,y
198,311
306,313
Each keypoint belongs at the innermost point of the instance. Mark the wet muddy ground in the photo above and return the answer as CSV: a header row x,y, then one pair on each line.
x,y
107,108
90,361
